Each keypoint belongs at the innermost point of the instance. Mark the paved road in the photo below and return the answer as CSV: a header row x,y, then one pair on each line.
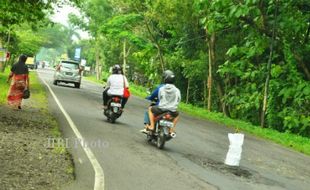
x,y
194,160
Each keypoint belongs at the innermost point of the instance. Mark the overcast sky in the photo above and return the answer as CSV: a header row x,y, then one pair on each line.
x,y
61,16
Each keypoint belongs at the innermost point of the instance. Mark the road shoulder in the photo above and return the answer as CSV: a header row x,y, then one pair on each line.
x,y
30,155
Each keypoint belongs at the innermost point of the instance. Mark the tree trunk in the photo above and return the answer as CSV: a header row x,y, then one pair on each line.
x,y
98,65
153,39
305,69
160,54
266,90
2,66
1,63
187,91
302,65
124,57
307,33
205,95
220,92
211,44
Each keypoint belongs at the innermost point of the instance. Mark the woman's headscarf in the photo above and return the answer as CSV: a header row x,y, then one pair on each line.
x,y
20,67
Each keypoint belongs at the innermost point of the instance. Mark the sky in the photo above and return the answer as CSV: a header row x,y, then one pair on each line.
x,y
61,16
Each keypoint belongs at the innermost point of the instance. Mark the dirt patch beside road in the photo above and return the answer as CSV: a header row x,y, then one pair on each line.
x,y
26,161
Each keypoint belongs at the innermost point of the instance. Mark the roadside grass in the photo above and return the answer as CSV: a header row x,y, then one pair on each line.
x,y
138,90
298,143
38,93
92,78
70,170
4,86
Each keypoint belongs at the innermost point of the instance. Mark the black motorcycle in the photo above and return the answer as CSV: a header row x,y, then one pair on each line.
x,y
114,109
161,134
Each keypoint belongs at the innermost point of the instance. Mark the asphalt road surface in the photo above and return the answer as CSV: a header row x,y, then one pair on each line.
x,y
193,160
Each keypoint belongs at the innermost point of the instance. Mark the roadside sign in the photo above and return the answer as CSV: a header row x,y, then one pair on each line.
x,y
30,61
77,54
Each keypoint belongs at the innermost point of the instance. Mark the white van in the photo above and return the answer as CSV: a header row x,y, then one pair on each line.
x,y
68,71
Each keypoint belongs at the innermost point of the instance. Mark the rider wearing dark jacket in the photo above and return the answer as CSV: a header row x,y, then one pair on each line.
x,y
153,98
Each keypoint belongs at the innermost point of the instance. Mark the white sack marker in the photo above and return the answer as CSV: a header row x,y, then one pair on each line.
x,y
233,156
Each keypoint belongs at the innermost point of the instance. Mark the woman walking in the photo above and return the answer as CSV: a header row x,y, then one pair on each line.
x,y
20,82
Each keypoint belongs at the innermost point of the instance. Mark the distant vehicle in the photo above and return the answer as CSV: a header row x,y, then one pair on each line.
x,y
42,64
68,71
30,62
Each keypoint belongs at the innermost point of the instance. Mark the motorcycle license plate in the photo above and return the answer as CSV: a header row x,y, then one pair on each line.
x,y
165,123
69,73
116,104
115,109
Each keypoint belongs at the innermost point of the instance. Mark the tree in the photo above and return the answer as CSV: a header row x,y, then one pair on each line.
x,y
96,12
15,13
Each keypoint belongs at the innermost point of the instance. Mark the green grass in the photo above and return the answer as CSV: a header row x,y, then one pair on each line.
x,y
70,170
92,78
299,143
138,90
38,92
4,86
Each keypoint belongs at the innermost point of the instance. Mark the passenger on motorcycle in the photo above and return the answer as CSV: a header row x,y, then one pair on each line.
x,y
169,97
115,86
155,101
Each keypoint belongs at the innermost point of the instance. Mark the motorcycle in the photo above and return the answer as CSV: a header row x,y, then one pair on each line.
x,y
114,109
160,135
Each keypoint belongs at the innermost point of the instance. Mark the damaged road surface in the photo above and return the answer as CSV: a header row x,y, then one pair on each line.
x,y
193,160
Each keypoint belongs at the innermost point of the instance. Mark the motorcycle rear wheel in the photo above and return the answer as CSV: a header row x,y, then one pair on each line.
x,y
112,120
161,139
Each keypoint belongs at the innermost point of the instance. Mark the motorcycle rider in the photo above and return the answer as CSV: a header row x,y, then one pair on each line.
x,y
169,97
153,98
115,86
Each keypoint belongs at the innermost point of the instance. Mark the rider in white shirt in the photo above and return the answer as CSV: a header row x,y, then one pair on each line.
x,y
115,86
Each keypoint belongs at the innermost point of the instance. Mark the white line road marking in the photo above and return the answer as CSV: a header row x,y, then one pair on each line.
x,y
99,175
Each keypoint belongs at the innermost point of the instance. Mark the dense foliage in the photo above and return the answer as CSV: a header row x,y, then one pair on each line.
x,y
228,55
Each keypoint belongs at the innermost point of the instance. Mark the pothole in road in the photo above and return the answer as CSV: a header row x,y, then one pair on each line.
x,y
219,166
237,172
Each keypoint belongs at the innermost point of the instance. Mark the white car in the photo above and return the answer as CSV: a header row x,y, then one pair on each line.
x,y
68,71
